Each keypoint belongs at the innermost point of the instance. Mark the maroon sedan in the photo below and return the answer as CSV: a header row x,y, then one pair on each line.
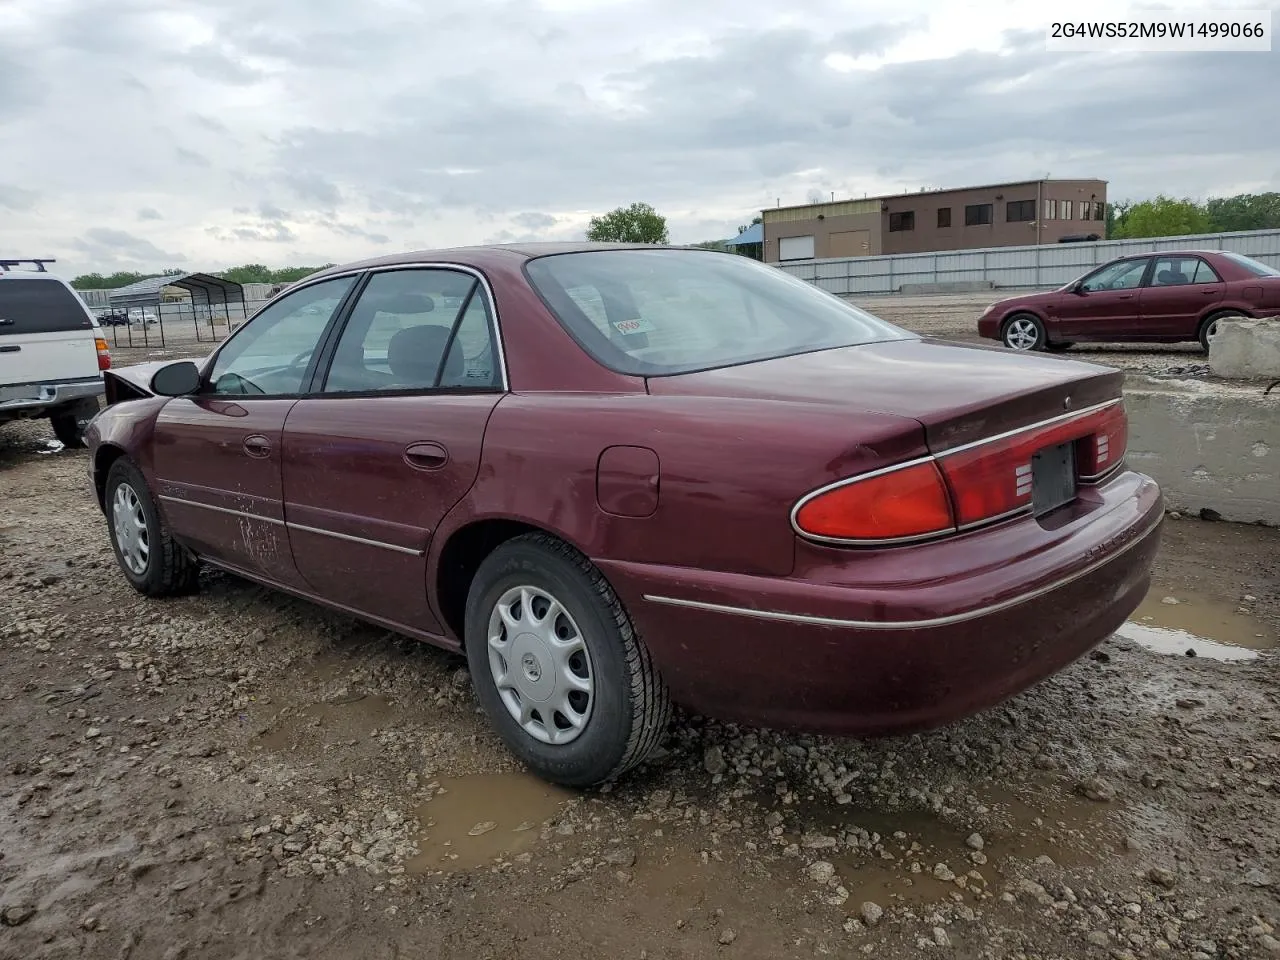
x,y
618,477
1149,298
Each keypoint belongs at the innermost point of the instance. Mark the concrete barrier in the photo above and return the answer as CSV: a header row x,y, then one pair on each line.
x,y
1246,349
1208,445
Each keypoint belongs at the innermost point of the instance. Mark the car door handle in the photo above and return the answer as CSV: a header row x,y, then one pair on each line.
x,y
426,456
10,348
1125,296
257,446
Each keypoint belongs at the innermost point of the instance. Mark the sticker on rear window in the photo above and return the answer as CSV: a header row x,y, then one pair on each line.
x,y
637,325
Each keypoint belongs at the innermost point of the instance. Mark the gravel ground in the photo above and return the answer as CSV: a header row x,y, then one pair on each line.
x,y
241,775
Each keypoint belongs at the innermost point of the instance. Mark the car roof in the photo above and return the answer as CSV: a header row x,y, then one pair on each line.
x,y
482,254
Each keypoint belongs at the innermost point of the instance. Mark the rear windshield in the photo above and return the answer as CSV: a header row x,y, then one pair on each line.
x,y
1253,266
39,306
662,312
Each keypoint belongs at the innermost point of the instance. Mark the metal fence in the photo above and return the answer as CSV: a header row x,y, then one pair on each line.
x,y
176,324
1035,266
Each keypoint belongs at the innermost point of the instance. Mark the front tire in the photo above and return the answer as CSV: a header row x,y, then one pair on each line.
x,y
558,666
1024,332
153,562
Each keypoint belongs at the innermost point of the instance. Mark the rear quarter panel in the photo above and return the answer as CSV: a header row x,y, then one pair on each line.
x,y
729,472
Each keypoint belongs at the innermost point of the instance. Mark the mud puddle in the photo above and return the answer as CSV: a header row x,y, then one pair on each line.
x,y
918,857
1196,626
477,819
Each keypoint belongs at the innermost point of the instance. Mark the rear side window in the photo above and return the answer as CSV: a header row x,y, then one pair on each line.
x,y
39,306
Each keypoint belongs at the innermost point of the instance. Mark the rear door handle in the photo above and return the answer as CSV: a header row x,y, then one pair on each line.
x,y
257,446
426,455
10,348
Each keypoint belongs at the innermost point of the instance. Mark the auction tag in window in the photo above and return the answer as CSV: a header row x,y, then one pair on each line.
x,y
638,325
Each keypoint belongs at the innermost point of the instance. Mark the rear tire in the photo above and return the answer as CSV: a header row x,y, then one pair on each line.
x,y
538,610
1210,325
70,422
153,562
1023,332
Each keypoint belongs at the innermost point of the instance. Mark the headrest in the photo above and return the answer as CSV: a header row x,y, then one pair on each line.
x,y
414,355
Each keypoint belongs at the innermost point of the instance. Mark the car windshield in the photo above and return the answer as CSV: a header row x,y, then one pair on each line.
x,y
1253,266
663,312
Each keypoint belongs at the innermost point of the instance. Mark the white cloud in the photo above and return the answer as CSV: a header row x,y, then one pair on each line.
x,y
225,131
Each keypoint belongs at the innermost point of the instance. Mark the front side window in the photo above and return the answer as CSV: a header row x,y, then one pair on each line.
x,y
415,330
663,312
1122,275
271,354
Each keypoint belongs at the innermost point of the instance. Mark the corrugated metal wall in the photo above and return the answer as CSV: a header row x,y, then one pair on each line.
x,y
1042,265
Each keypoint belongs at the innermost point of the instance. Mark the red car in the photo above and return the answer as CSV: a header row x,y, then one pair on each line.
x,y
617,477
1166,297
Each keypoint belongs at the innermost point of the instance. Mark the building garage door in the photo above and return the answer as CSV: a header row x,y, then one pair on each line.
x,y
795,248
851,243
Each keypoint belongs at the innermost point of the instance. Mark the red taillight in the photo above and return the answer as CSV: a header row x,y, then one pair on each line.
x,y
992,479
104,355
972,485
900,504
1102,452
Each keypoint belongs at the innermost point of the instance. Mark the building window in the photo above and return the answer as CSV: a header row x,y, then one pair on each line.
x,y
795,248
1066,209
1051,209
1086,210
944,217
902,221
977,214
1020,210
1099,210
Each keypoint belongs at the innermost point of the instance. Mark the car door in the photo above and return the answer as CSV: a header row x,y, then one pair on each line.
x,y
217,454
1104,305
377,456
1179,291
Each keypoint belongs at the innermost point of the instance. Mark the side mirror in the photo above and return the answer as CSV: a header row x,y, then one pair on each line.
x,y
1079,289
176,379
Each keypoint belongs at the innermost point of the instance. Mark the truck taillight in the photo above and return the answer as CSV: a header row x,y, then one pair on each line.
x,y
104,355
971,485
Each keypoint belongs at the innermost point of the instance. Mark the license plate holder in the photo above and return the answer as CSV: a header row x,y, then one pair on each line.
x,y
1053,478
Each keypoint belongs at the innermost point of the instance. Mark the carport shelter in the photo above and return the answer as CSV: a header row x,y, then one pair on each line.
x,y
205,289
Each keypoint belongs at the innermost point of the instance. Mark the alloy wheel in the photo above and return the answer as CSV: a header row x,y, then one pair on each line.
x,y
540,665
1021,334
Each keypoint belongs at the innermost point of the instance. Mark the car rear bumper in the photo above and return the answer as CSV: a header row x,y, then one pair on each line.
x,y
829,650
26,399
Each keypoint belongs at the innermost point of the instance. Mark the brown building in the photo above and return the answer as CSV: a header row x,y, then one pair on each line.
x,y
1000,215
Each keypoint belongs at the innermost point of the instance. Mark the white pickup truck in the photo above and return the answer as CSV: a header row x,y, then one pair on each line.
x,y
52,352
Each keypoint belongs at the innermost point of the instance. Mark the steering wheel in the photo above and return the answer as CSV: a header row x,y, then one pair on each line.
x,y
298,360
243,386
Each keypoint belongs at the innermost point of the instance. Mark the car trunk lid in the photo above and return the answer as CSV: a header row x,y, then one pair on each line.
x,y
959,393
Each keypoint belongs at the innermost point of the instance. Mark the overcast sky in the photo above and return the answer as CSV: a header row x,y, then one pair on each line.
x,y
141,134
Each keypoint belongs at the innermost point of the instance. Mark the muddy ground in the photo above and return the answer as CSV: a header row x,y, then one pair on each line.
x,y
240,775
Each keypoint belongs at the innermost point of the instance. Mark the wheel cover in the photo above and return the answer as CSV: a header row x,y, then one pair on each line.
x,y
129,528
1021,334
540,664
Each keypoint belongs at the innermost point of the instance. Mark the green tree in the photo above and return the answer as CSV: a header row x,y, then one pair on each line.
x,y
638,223
1245,211
1160,217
